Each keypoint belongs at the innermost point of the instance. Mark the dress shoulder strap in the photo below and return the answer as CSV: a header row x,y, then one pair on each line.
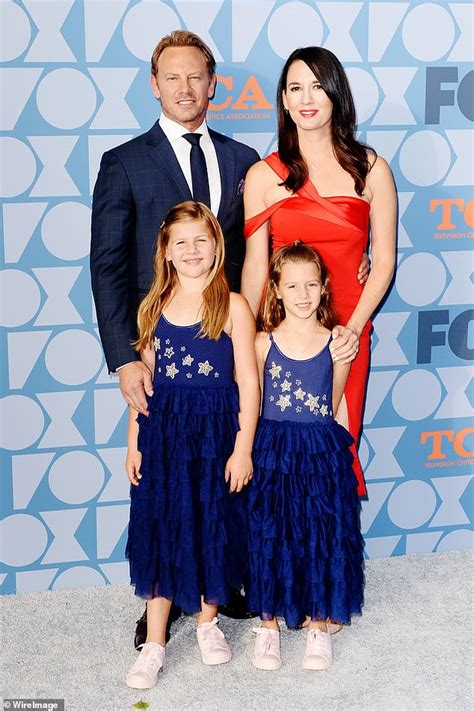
x,y
274,162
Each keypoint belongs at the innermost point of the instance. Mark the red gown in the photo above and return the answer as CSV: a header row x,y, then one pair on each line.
x,y
338,228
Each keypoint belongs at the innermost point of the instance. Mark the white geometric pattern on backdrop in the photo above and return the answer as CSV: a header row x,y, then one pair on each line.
x,y
74,80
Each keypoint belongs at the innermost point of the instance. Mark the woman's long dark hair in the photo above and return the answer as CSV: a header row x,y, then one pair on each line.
x,y
350,153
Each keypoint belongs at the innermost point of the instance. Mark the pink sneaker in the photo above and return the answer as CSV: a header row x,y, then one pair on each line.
x,y
318,653
212,643
266,653
144,672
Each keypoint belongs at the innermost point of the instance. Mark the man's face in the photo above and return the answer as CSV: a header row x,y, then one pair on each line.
x,y
183,85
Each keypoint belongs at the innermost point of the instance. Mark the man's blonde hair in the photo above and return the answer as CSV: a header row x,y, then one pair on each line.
x,y
183,38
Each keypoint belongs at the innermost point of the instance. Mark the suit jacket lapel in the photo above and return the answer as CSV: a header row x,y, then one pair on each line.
x,y
226,161
163,155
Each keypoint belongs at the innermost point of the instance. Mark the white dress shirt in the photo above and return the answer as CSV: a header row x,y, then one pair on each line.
x,y
174,132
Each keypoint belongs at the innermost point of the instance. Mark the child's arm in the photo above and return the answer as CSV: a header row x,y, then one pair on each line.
x,y
239,466
134,457
339,380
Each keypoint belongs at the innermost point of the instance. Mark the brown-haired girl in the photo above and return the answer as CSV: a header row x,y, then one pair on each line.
x,y
305,545
189,459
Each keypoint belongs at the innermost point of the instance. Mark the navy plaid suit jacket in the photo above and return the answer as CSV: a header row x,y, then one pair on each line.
x,y
138,182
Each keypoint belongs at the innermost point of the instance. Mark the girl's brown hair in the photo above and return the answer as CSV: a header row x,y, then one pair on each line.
x,y
272,311
215,295
349,152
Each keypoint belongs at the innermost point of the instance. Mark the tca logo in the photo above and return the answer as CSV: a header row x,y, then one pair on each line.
x,y
251,96
449,209
438,439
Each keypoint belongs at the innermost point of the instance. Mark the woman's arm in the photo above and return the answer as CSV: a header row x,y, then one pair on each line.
x,y
239,466
383,223
255,269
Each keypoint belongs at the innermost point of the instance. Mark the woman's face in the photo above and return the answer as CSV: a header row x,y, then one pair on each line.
x,y
307,102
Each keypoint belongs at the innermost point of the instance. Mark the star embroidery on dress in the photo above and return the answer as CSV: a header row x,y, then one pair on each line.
x,y
171,371
271,398
324,410
312,402
288,374
275,370
298,382
167,341
324,398
216,374
285,386
156,343
205,368
299,394
298,408
188,360
169,352
189,375
275,385
283,402
183,348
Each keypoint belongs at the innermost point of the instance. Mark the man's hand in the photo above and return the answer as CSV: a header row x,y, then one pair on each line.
x,y
345,344
364,269
135,381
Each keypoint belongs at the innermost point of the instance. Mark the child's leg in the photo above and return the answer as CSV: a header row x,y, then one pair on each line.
x,y
158,610
207,614
270,624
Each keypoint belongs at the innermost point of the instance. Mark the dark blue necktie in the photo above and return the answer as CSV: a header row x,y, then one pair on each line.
x,y
198,170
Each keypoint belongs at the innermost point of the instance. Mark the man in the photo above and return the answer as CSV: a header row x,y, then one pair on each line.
x,y
139,181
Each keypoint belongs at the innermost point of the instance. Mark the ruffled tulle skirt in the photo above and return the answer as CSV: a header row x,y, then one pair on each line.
x,y
186,536
305,545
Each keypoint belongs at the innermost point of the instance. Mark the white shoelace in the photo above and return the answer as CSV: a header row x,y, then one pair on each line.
x,y
317,638
270,641
149,656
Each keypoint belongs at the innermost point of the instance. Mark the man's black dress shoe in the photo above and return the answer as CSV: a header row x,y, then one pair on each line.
x,y
236,608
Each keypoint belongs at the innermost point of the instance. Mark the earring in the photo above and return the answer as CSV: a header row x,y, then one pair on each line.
x,y
286,110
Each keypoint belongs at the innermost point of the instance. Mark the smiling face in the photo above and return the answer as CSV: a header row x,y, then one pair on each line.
x,y
307,102
183,85
300,289
191,249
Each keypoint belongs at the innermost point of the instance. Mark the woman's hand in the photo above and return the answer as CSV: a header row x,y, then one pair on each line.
x,y
239,471
133,463
345,344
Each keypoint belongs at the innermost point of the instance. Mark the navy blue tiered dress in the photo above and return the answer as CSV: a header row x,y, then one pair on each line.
x,y
186,535
305,545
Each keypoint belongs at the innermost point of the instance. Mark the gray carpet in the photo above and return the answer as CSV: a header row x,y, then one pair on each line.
x,y
411,649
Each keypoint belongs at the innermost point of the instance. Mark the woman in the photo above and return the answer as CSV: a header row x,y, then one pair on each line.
x,y
325,188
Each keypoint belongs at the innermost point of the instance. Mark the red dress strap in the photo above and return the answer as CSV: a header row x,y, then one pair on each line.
x,y
253,223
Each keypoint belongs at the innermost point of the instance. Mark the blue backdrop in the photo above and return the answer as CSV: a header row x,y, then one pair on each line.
x,y
74,82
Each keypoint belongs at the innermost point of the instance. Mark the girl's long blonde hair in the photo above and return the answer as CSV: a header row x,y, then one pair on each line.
x,y
272,311
215,309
